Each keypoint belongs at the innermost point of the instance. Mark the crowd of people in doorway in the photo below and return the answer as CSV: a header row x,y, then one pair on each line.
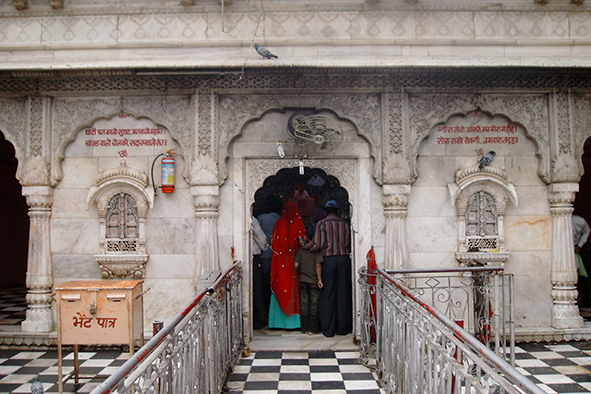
x,y
302,273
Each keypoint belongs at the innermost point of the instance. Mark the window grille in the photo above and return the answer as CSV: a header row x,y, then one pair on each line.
x,y
482,222
122,225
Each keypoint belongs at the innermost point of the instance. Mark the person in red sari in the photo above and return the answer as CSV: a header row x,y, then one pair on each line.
x,y
284,311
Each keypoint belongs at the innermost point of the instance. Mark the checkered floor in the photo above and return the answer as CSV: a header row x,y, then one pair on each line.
x,y
556,368
278,372
12,306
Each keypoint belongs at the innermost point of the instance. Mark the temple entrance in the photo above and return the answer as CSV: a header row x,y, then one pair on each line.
x,y
14,241
309,189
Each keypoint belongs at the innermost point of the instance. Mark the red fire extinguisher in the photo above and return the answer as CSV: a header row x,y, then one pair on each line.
x,y
167,165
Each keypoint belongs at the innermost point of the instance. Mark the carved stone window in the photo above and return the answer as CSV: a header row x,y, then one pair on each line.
x,y
122,199
480,197
122,225
481,222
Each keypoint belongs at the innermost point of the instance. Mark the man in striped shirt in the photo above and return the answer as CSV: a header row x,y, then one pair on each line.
x,y
333,238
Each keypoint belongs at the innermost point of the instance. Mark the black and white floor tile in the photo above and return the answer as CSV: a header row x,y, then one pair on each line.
x,y
276,372
557,368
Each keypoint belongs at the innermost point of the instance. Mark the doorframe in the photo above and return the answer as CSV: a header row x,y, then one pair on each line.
x,y
355,177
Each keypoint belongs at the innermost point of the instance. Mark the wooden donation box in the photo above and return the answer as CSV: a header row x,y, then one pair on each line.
x,y
102,312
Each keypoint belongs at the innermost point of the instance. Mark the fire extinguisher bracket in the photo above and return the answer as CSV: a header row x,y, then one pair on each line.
x,y
167,166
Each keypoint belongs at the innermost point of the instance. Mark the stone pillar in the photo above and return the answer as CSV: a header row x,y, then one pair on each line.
x,y
565,312
39,316
395,206
207,200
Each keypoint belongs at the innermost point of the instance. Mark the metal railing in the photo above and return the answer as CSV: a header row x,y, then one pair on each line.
x,y
418,349
195,351
479,299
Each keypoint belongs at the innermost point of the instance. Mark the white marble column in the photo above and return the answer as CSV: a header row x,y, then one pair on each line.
x,y
565,312
395,206
39,316
206,200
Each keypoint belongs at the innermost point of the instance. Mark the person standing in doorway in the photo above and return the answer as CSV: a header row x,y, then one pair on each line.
x,y
333,238
260,309
284,311
581,231
262,294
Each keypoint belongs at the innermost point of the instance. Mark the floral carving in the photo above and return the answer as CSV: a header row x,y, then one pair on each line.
x,y
362,109
69,116
12,124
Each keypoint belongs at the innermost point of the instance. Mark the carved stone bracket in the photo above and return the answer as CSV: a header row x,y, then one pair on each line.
x,y
12,124
529,110
363,110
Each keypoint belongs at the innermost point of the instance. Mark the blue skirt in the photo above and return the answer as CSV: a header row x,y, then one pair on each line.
x,y
278,318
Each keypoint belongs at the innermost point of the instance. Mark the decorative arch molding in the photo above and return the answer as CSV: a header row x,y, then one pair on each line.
x,y
70,115
12,125
122,181
363,110
428,109
259,169
582,127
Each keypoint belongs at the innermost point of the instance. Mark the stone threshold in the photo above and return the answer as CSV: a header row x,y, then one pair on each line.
x,y
549,334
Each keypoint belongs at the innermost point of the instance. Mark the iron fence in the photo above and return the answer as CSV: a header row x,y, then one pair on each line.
x,y
418,349
195,351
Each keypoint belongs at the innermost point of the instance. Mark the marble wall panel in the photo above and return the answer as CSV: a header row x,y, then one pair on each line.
x,y
163,266
529,263
511,25
435,171
430,202
533,301
71,204
74,236
432,260
432,234
68,267
171,235
79,173
165,299
528,233
523,170
177,204
580,24
533,200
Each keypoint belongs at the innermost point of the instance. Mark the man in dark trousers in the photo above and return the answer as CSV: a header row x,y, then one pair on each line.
x,y
333,238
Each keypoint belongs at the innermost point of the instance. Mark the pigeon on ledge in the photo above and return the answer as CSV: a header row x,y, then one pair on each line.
x,y
264,52
36,386
486,159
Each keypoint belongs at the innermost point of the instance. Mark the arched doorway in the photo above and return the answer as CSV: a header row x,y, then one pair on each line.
x,y
14,239
319,183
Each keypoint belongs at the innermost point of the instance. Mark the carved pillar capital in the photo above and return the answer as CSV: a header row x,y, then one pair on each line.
x,y
39,317
565,312
206,199
395,202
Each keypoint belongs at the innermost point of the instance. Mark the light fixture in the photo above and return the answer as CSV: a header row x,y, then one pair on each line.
x,y
301,164
280,150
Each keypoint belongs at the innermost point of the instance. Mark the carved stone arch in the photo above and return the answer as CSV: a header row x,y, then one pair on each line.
x,y
362,110
260,169
70,115
12,126
531,111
